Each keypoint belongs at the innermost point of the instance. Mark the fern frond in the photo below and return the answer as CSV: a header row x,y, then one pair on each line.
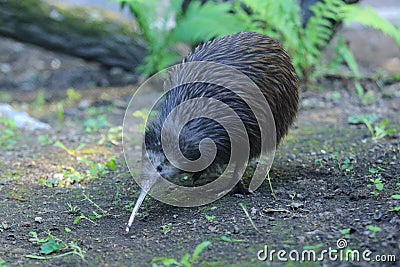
x,y
256,6
369,17
279,19
144,14
318,32
344,51
319,29
203,22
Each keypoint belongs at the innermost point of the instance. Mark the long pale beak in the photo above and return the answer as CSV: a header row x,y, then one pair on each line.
x,y
138,203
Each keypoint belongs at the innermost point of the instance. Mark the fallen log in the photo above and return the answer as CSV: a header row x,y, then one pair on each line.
x,y
88,33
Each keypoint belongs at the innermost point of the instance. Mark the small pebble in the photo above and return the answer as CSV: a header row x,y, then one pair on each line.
x,y
394,220
38,219
378,215
297,205
84,104
300,197
212,229
253,211
26,224
236,229
5,225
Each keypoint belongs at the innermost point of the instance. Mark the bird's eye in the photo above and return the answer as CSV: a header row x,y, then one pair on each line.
x,y
159,168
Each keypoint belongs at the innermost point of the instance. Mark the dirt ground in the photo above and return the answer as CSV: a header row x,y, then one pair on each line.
x,y
321,178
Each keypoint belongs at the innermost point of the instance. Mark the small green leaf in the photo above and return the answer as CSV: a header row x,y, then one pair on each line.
x,y
44,140
51,246
210,218
78,219
80,147
385,123
395,209
396,196
185,260
345,231
374,230
225,238
73,95
379,186
33,234
60,112
199,249
60,145
111,164
373,170
95,215
334,156
336,95
359,119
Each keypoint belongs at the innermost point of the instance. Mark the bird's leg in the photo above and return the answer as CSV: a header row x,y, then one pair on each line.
x,y
239,188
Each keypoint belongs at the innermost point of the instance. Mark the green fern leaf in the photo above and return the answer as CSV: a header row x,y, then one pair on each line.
x,y
319,28
203,22
258,6
369,17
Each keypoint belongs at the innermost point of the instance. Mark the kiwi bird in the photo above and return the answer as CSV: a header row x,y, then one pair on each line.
x,y
258,57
